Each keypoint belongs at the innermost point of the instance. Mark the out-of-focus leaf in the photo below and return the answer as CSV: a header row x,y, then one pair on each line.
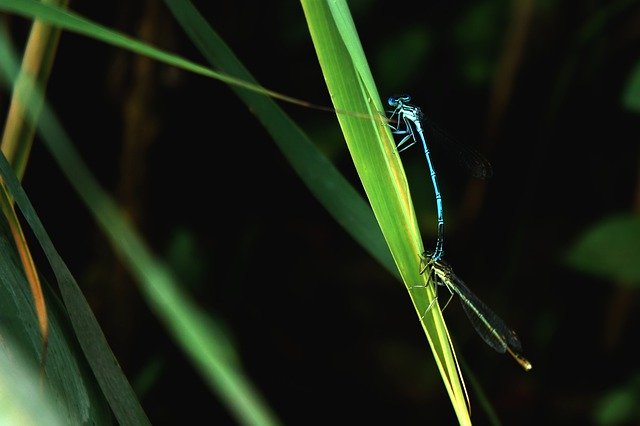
x,y
610,249
477,34
21,400
619,406
631,93
412,45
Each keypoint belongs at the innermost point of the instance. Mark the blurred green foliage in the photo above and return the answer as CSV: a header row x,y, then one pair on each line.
x,y
610,249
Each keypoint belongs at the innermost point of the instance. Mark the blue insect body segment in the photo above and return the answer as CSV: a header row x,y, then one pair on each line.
x,y
409,119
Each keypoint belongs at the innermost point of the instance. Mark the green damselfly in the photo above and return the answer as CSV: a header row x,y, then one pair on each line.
x,y
487,324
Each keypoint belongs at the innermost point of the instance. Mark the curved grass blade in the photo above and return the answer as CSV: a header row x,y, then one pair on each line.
x,y
374,155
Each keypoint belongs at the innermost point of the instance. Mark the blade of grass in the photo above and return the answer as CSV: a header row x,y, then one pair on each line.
x,y
374,155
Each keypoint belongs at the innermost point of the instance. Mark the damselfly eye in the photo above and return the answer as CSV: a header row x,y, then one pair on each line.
x,y
396,99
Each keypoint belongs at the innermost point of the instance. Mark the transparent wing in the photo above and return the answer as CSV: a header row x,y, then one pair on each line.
x,y
470,159
487,324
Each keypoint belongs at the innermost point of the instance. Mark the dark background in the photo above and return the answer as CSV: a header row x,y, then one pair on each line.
x,y
535,86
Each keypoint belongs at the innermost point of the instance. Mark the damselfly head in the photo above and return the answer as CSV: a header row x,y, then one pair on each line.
x,y
394,100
